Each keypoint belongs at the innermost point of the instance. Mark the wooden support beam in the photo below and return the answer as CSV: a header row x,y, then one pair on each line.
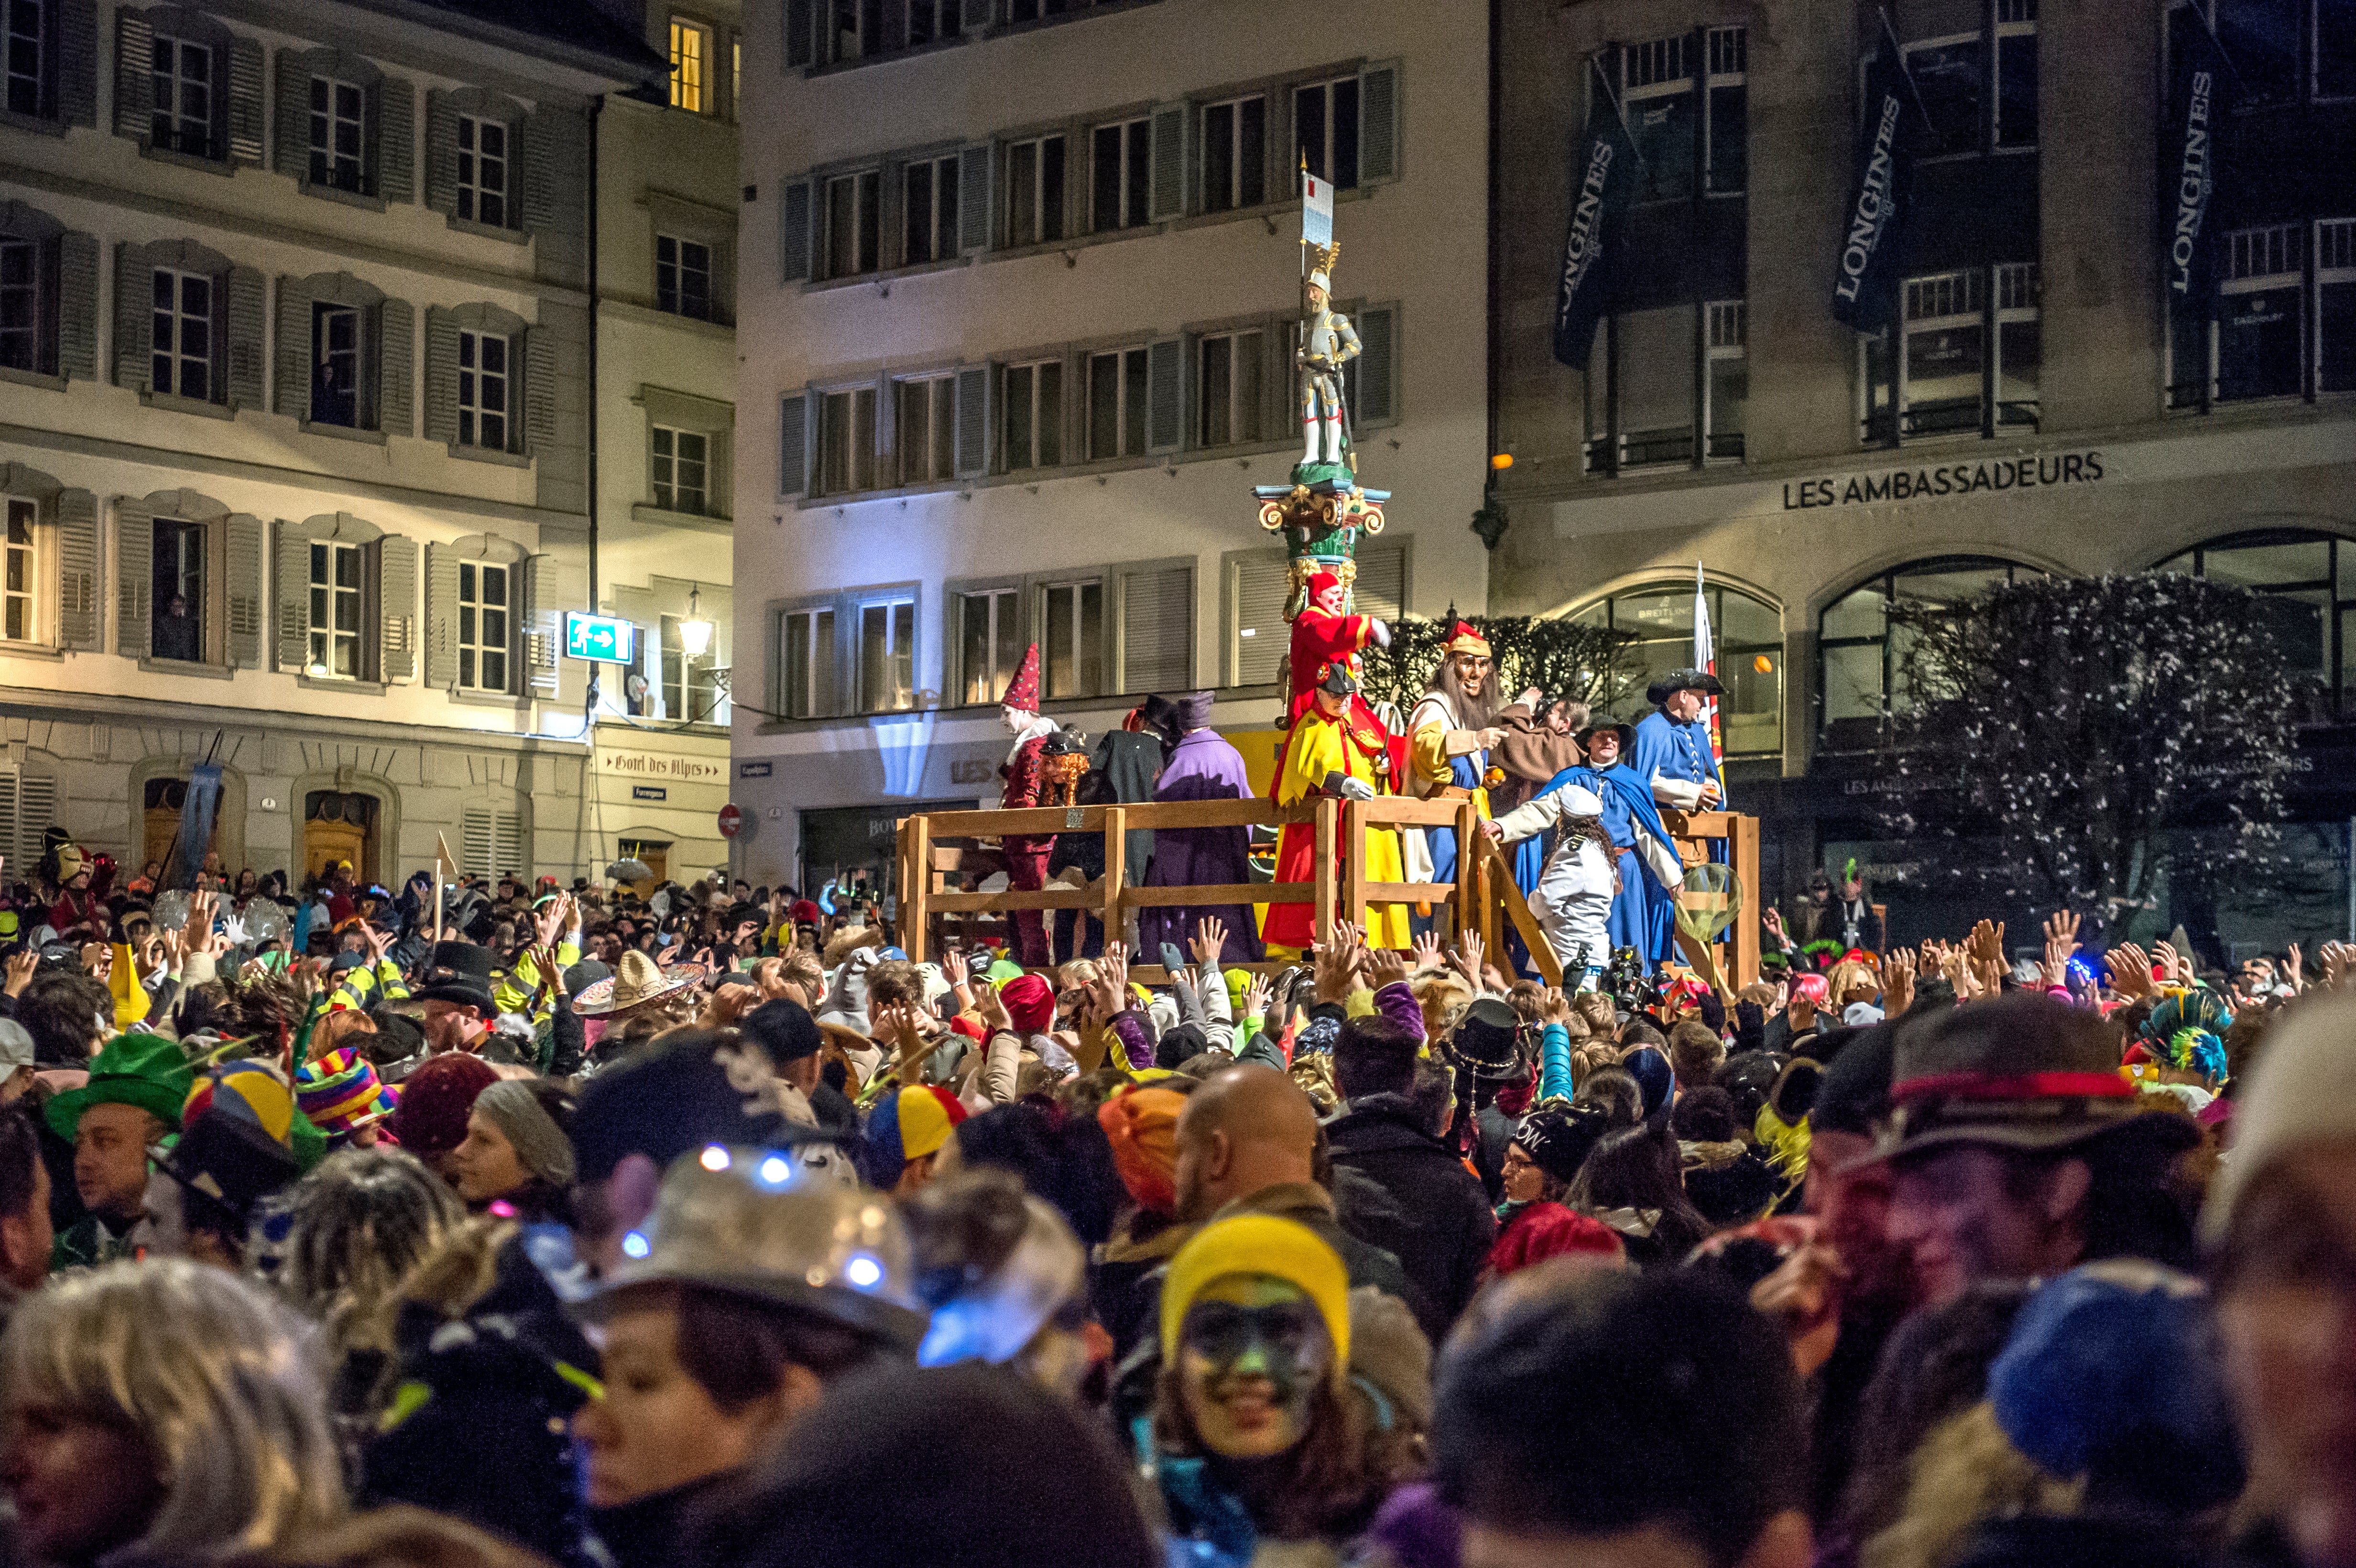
x,y
1328,826
1744,847
916,887
1354,862
1465,909
1115,872
1220,893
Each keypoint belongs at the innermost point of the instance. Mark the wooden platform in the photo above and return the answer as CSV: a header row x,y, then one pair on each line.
x,y
937,847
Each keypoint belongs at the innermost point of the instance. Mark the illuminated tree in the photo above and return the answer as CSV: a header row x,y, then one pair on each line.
x,y
2089,735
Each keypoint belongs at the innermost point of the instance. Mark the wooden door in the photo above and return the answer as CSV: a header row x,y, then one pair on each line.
x,y
325,844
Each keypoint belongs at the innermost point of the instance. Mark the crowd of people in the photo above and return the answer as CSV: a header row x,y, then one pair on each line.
x,y
706,1228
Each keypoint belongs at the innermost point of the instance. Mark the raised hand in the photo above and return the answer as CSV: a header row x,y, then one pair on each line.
x,y
2164,952
1112,988
2291,968
1469,951
953,968
1255,998
1427,952
2130,968
2060,942
22,965
1336,965
1210,942
1386,966
992,1009
1897,983
1555,1007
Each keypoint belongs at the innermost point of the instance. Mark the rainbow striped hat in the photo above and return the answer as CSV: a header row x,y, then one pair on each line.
x,y
341,1092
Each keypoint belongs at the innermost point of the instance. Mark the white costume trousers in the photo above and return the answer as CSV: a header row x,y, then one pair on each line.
x,y
1573,904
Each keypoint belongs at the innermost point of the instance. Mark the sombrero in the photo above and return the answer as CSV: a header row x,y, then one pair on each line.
x,y
635,982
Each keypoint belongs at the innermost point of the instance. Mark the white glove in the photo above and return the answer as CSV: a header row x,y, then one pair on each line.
x,y
1357,789
1382,634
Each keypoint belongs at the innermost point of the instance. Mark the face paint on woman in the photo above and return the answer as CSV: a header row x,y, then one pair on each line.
x,y
1251,1352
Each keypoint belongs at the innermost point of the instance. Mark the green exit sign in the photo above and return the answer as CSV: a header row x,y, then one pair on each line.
x,y
600,637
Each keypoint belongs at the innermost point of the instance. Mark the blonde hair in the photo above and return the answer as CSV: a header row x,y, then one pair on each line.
x,y
1597,1009
1966,1473
1076,972
210,1373
843,943
400,1536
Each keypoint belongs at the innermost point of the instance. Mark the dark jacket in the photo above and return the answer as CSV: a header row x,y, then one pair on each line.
x,y
2086,1541
1439,1223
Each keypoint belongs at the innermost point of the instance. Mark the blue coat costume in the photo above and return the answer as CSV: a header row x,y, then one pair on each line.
x,y
1644,911
1673,760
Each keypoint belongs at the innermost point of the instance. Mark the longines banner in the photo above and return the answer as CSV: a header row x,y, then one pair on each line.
x,y
1864,288
1606,173
2199,80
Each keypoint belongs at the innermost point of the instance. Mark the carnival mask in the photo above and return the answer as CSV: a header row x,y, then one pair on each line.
x,y
1250,1354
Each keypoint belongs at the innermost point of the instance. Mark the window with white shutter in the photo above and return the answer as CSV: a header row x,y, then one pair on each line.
x,y
29,804
1157,628
493,844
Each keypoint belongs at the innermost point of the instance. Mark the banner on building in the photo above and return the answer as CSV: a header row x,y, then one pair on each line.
x,y
2200,89
1603,186
199,809
1872,253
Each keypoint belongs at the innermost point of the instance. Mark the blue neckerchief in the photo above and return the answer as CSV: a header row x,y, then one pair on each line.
x,y
1217,1530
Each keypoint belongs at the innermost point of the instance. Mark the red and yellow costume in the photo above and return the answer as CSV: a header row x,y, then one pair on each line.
x,y
1321,637
1026,775
1321,745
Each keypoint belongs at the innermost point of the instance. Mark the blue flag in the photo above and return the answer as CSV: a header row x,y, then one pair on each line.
x,y
197,810
1873,256
1606,176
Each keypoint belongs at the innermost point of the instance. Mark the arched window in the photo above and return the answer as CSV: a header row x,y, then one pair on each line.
x,y
2309,583
1858,661
1659,621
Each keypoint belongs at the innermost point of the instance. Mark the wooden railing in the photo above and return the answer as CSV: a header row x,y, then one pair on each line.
x,y
1482,898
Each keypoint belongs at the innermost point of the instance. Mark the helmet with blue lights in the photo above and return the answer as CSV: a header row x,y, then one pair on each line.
x,y
763,1224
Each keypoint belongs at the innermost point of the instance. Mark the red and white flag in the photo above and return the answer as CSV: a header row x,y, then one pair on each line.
x,y
1705,658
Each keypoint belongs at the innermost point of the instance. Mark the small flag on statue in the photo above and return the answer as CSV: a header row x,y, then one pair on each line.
x,y
1316,210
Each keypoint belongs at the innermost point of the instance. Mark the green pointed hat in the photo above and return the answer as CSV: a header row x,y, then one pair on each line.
x,y
135,1069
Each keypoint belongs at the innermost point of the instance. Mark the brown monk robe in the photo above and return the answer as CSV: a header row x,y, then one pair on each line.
x,y
1534,749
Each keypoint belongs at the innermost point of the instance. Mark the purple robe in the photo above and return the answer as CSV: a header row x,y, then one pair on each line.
x,y
1203,766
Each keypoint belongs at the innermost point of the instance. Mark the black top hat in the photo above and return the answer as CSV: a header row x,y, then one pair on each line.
x,y
1488,1040
457,961
1627,733
1682,680
227,1165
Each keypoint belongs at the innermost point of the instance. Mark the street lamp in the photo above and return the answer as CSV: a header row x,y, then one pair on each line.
x,y
695,632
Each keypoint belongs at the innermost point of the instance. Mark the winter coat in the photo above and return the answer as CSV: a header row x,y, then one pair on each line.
x,y
1729,1185
1438,1222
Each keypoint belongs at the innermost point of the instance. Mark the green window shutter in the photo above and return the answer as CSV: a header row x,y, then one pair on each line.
x,y
1378,122
245,99
248,353
394,100
135,321
794,231
441,376
78,61
441,153
396,579
246,599
396,359
135,85
292,145
1157,632
135,579
294,368
1378,366
543,611
293,583
1164,420
77,570
78,306
440,616
793,445
1168,197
